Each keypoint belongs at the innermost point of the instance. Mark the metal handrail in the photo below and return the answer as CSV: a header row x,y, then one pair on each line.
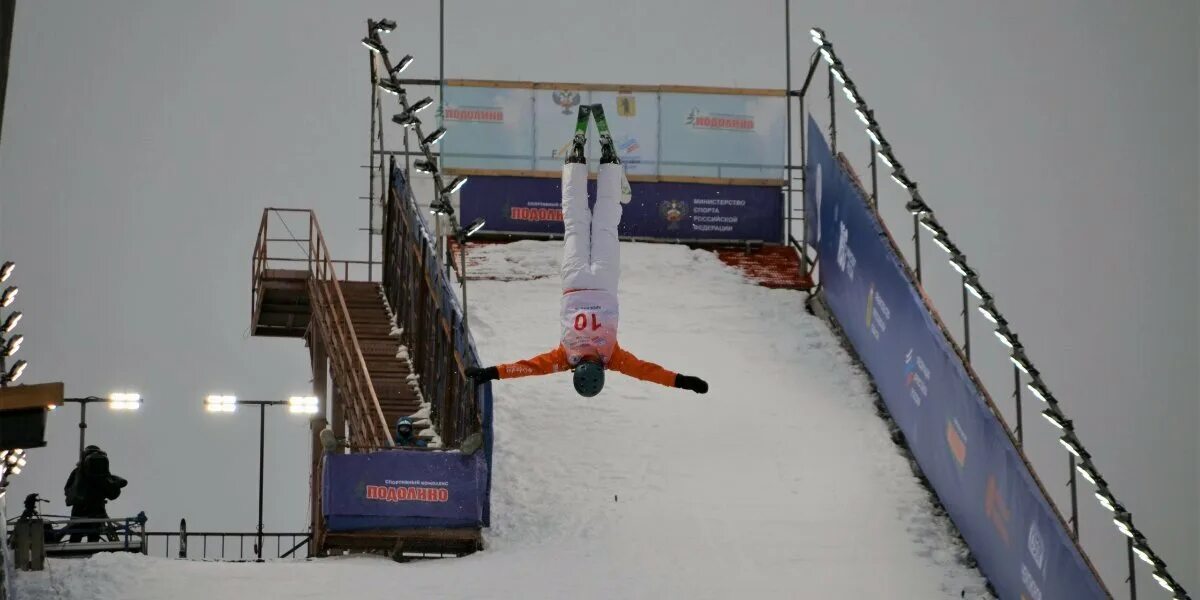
x,y
321,269
332,316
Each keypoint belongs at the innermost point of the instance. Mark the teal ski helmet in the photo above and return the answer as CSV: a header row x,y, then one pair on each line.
x,y
589,378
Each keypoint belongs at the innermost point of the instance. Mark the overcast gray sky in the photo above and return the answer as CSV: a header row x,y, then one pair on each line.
x,y
1057,142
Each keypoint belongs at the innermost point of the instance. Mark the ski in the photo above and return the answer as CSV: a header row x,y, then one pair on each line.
x,y
576,155
608,151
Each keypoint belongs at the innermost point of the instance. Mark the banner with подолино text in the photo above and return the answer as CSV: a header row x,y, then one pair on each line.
x,y
658,211
399,489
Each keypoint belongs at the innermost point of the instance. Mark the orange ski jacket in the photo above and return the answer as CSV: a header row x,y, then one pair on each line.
x,y
555,361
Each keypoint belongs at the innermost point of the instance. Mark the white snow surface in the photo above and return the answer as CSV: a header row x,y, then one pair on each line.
x,y
781,482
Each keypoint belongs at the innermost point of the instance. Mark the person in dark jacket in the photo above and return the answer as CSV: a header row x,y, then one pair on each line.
x,y
405,437
89,487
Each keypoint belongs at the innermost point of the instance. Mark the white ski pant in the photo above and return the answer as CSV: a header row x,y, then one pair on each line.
x,y
591,250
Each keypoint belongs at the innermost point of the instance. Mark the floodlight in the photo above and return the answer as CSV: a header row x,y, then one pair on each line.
x,y
373,45
10,294
988,308
303,404
874,135
456,185
931,225
474,227
435,137
960,264
1124,523
1005,336
973,286
124,401
1019,360
1071,443
945,244
402,65
421,105
836,69
15,372
1039,390
1143,552
11,322
1056,418
6,270
885,154
424,166
1164,580
1088,470
391,87
13,345
220,403
384,26
405,119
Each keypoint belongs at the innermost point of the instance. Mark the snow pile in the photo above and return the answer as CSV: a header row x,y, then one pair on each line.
x,y
421,417
780,483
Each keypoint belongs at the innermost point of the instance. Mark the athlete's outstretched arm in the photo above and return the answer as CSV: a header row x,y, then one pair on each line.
x,y
542,364
625,362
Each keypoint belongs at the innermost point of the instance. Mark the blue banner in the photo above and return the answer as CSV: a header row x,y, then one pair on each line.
x,y
667,211
401,489
1021,545
819,164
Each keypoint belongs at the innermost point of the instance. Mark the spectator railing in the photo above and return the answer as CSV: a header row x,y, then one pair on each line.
x,y
219,545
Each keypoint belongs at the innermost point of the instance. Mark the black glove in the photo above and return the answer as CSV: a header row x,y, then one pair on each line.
x,y
482,374
688,382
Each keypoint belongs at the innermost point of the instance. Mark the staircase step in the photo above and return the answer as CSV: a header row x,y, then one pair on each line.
x,y
373,313
397,389
371,323
393,409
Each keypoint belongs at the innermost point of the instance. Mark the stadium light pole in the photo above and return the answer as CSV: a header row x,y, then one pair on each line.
x,y
115,401
217,403
463,236
1132,572
1075,450
959,262
1017,400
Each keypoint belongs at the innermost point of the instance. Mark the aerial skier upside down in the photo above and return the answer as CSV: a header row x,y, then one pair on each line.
x,y
590,269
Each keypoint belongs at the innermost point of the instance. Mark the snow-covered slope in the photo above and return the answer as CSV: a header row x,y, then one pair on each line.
x,y
780,483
